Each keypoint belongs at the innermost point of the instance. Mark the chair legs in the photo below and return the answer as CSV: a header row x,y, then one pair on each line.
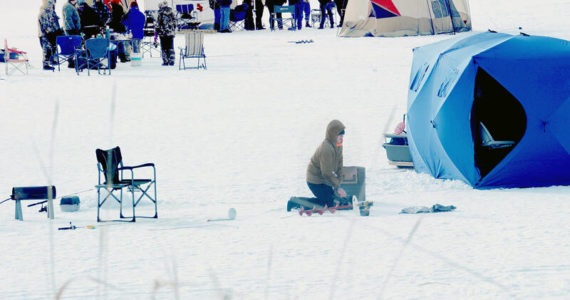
x,y
21,66
182,61
109,190
88,63
145,194
109,193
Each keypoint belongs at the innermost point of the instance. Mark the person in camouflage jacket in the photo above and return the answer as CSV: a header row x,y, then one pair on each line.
x,y
166,29
49,29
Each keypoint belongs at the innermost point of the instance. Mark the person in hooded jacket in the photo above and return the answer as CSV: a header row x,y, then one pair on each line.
x,y
49,29
166,29
89,20
117,15
324,172
71,20
134,21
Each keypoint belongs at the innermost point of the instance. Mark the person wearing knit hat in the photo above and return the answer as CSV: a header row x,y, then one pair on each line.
x,y
134,21
324,172
166,30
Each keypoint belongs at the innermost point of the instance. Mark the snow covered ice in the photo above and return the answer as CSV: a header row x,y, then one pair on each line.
x,y
240,135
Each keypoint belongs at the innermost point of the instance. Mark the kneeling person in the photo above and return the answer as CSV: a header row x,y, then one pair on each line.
x,y
324,173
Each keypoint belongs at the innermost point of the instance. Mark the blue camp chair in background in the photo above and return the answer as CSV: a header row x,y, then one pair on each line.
x,y
67,47
118,177
186,16
237,17
284,19
94,56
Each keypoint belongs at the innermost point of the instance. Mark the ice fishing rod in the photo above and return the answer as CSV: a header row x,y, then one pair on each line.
x,y
44,201
301,42
73,227
6,200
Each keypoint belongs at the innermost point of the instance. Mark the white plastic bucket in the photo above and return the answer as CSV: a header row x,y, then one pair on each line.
x,y
136,59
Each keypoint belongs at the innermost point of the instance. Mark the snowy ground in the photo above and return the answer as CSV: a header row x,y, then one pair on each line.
x,y
240,135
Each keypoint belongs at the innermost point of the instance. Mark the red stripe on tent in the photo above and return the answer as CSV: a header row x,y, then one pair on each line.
x,y
387,5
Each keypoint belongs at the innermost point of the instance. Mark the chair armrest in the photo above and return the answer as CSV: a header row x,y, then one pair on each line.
x,y
15,51
136,167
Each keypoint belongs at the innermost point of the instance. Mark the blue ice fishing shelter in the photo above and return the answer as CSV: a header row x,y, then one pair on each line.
x,y
492,110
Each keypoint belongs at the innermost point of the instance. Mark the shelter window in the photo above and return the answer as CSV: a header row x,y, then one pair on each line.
x,y
498,122
447,82
419,77
439,9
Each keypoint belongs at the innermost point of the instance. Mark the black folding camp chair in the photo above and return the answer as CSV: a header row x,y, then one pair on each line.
x,y
110,165
149,43
237,17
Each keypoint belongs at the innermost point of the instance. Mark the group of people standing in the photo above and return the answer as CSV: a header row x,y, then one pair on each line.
x,y
302,8
80,18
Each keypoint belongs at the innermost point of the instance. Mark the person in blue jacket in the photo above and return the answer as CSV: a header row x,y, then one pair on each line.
x,y
134,21
71,21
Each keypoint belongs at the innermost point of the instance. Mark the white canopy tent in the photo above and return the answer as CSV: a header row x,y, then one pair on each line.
x,y
405,17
